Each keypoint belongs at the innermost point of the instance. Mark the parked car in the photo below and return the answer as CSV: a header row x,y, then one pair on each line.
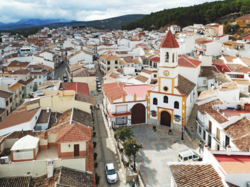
x,y
99,87
111,174
188,155
97,79
65,78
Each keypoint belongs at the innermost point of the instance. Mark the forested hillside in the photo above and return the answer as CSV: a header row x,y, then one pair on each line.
x,y
203,13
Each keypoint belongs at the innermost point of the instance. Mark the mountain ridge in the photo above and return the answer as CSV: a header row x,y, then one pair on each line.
x,y
109,23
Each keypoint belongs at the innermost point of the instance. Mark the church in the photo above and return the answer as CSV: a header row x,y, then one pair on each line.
x,y
171,100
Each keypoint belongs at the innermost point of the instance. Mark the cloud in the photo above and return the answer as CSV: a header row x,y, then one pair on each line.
x,y
83,10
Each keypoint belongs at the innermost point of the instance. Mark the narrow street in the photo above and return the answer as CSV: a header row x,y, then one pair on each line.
x,y
105,146
60,71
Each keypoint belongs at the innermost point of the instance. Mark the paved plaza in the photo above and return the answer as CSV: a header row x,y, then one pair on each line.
x,y
158,149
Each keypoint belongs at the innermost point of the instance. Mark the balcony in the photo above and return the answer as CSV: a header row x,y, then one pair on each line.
x,y
216,138
200,122
208,130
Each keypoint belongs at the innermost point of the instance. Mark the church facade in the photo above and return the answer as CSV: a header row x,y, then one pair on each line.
x,y
170,102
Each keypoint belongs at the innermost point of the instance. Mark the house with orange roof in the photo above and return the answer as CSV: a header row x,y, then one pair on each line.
x,y
232,166
125,104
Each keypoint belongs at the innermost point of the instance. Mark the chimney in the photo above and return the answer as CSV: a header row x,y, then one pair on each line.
x,y
228,150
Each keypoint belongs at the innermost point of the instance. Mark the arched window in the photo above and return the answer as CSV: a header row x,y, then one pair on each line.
x,y
173,58
176,105
167,57
155,101
165,99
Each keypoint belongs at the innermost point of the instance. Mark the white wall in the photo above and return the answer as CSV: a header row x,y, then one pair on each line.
x,y
66,148
39,168
214,48
24,126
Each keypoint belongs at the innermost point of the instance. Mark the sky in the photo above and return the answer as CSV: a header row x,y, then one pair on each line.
x,y
83,10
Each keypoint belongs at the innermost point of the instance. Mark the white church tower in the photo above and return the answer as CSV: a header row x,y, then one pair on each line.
x,y
168,68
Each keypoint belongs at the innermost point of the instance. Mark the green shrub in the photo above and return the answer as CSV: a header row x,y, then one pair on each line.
x,y
127,164
94,143
94,133
96,164
97,178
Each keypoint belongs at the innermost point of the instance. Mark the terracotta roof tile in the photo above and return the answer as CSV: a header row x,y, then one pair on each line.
x,y
188,62
239,128
73,133
113,90
195,175
169,41
235,67
80,88
5,94
142,78
185,86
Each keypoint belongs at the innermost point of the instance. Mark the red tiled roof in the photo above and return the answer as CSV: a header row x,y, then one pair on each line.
x,y
239,128
169,41
80,88
155,59
184,61
73,133
247,38
222,68
114,90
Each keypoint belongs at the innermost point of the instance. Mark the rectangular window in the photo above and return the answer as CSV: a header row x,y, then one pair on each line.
x,y
121,120
210,126
121,109
7,103
108,62
11,100
243,20
116,62
218,134
199,129
39,76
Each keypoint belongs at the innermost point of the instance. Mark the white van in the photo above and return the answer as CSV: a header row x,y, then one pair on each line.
x,y
188,155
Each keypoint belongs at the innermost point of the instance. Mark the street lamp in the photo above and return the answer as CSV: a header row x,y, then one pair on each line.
x,y
134,155
182,138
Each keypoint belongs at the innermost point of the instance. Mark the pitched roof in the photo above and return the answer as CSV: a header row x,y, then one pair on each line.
x,y
235,67
113,90
210,72
141,78
110,57
229,58
185,86
169,41
222,68
147,71
239,128
155,59
44,116
18,118
15,181
15,86
188,62
218,61
195,175
20,71
208,106
229,86
81,88
16,63
246,61
84,98
244,17
73,133
5,94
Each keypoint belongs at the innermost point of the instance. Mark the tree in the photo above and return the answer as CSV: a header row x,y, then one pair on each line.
x,y
228,28
131,147
124,133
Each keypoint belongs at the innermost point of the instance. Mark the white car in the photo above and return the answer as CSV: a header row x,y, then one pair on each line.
x,y
111,174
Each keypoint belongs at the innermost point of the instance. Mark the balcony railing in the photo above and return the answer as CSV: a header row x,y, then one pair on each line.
x,y
200,122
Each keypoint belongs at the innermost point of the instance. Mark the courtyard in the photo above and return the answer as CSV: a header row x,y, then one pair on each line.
x,y
158,149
